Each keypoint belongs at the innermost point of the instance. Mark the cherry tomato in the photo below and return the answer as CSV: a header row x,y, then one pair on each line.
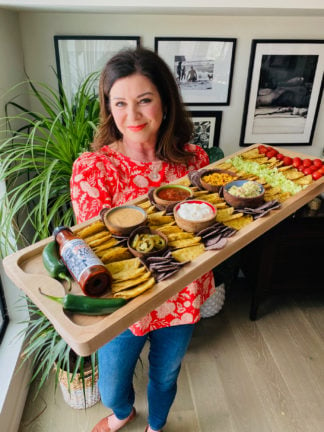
x,y
274,150
287,160
316,175
301,168
262,149
307,163
321,169
318,163
297,162
313,168
270,154
307,171
280,156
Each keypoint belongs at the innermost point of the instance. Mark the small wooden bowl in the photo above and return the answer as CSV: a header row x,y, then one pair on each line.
x,y
241,202
214,188
176,188
194,225
146,230
122,220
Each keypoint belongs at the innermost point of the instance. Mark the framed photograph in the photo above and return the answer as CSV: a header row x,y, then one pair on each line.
x,y
203,67
283,92
79,56
207,125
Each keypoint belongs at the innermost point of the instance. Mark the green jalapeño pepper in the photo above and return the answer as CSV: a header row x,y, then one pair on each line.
x,y
85,305
53,264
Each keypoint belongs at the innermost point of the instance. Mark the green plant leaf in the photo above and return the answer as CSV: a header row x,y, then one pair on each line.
x,y
37,151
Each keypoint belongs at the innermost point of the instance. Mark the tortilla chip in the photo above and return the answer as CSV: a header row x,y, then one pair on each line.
x,y
285,168
262,159
150,209
99,250
157,214
224,165
127,275
125,265
91,229
199,193
277,164
144,205
210,196
188,253
179,236
252,177
240,222
283,196
233,216
251,154
116,253
168,229
220,205
97,236
160,227
98,241
306,180
184,181
273,190
293,174
222,214
177,244
131,293
124,284
159,219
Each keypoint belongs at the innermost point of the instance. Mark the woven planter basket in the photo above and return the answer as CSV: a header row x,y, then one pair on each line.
x,y
214,303
74,396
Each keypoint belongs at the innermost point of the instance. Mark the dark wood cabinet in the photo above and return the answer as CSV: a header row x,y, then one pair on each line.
x,y
290,256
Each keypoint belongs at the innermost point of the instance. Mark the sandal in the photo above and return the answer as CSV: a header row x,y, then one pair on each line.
x,y
103,425
146,429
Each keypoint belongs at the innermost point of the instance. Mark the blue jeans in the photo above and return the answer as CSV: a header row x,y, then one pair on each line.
x,y
117,361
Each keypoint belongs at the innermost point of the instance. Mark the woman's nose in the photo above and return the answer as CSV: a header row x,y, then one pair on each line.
x,y
133,112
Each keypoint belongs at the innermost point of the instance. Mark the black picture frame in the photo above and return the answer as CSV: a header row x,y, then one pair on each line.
x,y
78,56
207,127
203,67
283,92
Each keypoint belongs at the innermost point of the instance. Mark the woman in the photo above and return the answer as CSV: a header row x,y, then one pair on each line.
x,y
142,142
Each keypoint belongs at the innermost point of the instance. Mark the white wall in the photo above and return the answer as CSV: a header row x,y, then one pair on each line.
x,y
13,384
38,29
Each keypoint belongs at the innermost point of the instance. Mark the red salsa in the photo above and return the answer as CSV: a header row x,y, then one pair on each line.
x,y
173,194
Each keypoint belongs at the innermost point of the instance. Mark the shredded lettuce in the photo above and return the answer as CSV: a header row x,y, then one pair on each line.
x,y
271,175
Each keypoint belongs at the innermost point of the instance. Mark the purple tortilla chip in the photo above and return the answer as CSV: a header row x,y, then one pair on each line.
x,y
213,240
219,245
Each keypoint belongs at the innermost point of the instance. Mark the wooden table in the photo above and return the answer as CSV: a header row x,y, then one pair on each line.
x,y
85,334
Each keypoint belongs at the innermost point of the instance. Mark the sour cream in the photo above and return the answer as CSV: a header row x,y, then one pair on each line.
x,y
195,211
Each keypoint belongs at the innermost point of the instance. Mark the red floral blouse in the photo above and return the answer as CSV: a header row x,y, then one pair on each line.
x,y
108,179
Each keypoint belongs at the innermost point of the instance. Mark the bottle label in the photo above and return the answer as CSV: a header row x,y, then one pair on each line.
x,y
78,257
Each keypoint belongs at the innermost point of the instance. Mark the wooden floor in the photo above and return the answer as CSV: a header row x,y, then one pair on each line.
x,y
238,375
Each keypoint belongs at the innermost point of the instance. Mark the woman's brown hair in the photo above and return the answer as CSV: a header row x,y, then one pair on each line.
x,y
176,128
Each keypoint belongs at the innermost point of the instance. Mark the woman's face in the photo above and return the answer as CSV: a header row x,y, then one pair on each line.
x,y
136,107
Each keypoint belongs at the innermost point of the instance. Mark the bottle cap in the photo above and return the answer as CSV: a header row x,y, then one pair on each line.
x,y
58,229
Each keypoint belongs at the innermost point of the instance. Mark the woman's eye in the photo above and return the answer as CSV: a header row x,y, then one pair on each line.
x,y
145,100
120,104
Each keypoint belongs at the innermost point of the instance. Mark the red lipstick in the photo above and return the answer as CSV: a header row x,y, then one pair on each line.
x,y
137,128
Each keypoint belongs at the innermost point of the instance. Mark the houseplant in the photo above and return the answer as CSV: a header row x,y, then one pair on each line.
x,y
36,157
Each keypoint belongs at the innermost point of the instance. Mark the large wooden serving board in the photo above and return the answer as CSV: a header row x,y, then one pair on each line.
x,y
86,334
